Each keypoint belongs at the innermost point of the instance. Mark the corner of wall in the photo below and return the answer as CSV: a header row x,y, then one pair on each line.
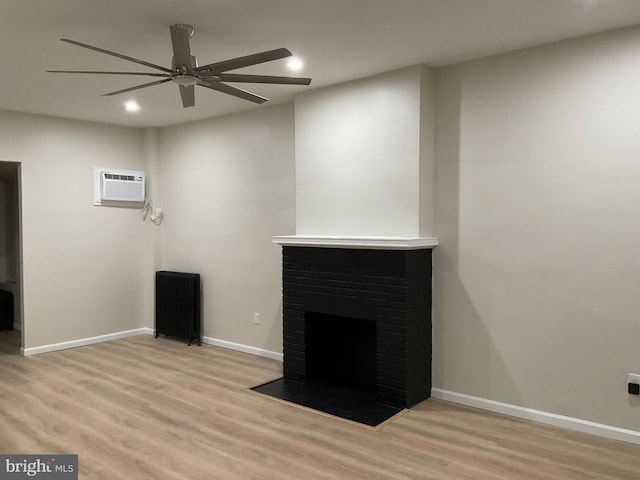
x,y
153,255
427,195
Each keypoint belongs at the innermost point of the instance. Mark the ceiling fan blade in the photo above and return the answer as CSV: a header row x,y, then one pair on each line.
x,y
237,77
119,55
188,95
112,73
236,92
137,87
180,42
245,61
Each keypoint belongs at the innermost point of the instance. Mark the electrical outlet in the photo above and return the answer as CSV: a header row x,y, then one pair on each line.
x,y
633,384
256,319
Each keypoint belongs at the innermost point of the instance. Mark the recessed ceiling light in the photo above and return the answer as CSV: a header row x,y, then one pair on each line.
x,y
131,106
295,64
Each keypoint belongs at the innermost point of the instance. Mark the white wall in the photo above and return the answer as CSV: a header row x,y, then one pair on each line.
x,y
227,186
427,172
82,274
536,277
358,157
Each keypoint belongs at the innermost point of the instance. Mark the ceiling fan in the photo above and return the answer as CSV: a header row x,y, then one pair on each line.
x,y
186,73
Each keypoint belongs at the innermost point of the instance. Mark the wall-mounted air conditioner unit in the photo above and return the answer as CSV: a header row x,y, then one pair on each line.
x,y
115,186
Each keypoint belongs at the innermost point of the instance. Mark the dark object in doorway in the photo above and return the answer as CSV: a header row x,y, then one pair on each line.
x,y
6,310
178,305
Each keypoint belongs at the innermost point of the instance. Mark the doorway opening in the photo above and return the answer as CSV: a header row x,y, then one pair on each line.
x,y
11,318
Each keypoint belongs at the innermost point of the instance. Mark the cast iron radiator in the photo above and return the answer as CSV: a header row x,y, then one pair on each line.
x,y
178,305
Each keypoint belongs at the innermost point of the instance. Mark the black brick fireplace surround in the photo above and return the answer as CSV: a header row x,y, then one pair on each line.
x,y
391,288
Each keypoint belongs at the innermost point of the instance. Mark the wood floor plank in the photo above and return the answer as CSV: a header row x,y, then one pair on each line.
x,y
145,408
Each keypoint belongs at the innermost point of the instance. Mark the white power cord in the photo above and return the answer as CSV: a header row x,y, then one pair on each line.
x,y
145,208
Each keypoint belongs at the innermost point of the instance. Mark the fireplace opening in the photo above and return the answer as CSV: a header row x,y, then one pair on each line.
x,y
340,367
341,351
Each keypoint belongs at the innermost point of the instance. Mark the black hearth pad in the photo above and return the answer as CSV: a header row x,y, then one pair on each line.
x,y
355,405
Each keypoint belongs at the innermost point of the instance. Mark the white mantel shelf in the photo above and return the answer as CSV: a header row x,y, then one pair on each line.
x,y
381,243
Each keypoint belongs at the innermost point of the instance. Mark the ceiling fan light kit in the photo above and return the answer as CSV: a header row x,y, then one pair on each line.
x,y
185,79
186,73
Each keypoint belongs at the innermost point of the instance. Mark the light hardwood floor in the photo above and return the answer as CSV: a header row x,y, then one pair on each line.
x,y
145,408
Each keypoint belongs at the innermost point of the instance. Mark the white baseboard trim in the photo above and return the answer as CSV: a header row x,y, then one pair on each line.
x,y
81,342
243,348
570,423
239,347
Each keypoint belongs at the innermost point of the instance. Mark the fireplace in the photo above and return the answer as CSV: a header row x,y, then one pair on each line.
x,y
357,319
390,288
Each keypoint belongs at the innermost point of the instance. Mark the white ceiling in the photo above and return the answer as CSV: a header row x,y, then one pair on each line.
x,y
339,40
